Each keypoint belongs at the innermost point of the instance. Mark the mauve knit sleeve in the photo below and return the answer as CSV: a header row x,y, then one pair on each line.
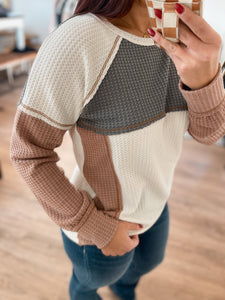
x,y
32,153
50,105
206,108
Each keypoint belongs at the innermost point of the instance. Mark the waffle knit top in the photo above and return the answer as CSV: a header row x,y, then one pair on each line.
x,y
120,98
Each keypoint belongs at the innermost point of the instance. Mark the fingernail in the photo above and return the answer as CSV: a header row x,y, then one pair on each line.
x,y
158,13
151,32
141,226
179,8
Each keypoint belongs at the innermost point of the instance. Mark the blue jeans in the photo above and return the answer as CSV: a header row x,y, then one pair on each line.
x,y
92,269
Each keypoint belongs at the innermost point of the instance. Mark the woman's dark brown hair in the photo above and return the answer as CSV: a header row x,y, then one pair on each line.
x,y
104,8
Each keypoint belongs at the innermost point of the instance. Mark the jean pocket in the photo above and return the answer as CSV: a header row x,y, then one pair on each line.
x,y
104,270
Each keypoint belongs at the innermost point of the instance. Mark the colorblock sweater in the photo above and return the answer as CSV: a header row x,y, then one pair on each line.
x,y
121,100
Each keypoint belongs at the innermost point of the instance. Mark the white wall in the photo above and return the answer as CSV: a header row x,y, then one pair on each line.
x,y
37,15
214,14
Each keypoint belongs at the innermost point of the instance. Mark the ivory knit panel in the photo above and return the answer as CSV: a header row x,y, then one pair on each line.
x,y
66,69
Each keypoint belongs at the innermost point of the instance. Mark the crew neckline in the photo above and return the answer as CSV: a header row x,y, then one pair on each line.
x,y
124,34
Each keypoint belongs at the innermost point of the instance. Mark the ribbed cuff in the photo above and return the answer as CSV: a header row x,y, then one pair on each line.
x,y
206,98
99,228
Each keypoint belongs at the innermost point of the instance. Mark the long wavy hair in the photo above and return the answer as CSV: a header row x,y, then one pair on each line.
x,y
104,8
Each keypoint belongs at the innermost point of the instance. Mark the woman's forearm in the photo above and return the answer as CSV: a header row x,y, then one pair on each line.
x,y
206,109
32,153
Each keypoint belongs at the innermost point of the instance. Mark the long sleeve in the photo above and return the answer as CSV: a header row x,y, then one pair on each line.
x,y
32,153
50,105
206,109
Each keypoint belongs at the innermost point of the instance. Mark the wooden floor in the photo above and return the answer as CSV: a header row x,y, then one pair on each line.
x,y
33,265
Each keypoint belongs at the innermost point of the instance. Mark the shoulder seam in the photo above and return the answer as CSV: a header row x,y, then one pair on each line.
x,y
45,116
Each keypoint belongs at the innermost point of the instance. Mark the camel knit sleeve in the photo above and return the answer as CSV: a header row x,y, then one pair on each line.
x,y
50,105
206,109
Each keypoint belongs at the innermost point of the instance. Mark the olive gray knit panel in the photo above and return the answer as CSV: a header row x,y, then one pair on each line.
x,y
140,87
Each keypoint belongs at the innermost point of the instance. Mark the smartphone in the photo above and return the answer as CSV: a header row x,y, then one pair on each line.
x,y
168,25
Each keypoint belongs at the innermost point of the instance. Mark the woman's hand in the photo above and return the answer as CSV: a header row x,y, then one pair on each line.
x,y
122,242
197,56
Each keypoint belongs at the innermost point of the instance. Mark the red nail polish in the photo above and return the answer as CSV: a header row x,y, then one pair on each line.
x,y
158,13
141,226
151,32
179,8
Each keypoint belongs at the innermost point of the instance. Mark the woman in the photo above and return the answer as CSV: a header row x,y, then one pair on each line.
x,y
127,110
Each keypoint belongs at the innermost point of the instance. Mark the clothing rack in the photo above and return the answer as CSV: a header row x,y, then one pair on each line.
x,y
64,7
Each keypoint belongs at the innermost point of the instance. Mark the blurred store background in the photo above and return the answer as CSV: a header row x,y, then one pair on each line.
x,y
38,15
24,24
